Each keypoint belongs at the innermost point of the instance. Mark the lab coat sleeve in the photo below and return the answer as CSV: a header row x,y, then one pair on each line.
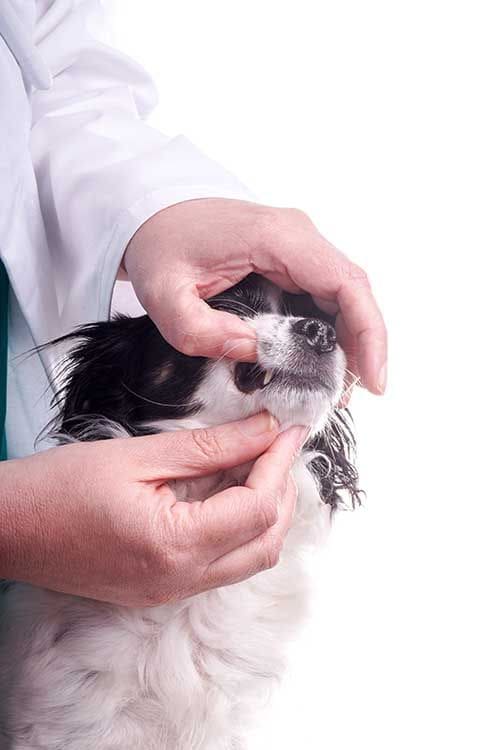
x,y
101,170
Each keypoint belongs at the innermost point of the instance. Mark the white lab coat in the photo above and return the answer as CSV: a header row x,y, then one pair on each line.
x,y
80,171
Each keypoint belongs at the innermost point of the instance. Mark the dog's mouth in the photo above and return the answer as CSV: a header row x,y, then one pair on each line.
x,y
250,377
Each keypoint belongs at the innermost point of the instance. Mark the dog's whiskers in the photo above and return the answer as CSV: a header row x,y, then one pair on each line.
x,y
233,305
151,401
349,389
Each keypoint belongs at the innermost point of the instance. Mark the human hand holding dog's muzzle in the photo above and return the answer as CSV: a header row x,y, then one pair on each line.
x,y
100,520
196,249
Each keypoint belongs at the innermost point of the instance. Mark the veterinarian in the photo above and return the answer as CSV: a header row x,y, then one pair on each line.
x,y
88,193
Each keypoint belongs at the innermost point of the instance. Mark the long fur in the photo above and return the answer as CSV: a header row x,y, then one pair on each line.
x,y
76,674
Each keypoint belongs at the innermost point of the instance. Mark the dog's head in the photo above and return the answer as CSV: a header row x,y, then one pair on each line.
x,y
123,372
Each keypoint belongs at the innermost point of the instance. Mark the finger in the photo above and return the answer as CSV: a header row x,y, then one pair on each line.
x,y
192,453
194,328
235,516
271,470
227,521
329,306
350,292
348,343
364,323
260,553
329,275
352,376
282,280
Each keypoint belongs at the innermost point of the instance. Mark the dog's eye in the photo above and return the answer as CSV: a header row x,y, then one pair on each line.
x,y
303,306
245,300
254,300
241,306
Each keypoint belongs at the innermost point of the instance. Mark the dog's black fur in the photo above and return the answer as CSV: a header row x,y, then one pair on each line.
x,y
123,370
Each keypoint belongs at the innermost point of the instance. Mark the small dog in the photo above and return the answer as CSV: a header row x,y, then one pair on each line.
x,y
77,674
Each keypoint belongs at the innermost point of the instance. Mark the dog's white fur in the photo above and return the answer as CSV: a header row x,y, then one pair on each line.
x,y
83,675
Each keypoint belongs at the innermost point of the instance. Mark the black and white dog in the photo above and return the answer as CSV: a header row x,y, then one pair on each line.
x,y
76,674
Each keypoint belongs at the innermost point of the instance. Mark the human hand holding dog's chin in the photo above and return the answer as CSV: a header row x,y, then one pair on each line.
x,y
193,250
98,519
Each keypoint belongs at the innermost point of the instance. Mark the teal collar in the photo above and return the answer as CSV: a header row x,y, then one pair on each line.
x,y
4,298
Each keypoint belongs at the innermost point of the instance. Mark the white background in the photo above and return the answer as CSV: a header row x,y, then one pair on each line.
x,y
380,120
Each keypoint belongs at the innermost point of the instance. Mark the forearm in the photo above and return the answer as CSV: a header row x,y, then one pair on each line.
x,y
47,517
101,170
20,528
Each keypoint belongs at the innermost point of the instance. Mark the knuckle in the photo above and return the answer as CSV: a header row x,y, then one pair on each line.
x,y
186,342
297,215
268,222
163,579
153,597
159,595
357,276
154,562
207,443
159,551
268,509
150,294
272,552
282,220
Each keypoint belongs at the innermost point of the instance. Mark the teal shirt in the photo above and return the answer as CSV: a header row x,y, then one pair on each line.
x,y
4,289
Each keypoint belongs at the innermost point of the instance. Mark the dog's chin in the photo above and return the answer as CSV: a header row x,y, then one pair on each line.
x,y
303,397
295,401
312,412
232,391
235,391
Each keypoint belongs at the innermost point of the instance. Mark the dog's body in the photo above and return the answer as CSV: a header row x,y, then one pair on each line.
x,y
184,676
76,674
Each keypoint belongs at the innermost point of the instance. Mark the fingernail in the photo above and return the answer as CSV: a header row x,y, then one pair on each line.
x,y
242,349
260,424
382,380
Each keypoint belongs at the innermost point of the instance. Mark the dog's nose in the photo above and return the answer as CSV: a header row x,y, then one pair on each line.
x,y
319,335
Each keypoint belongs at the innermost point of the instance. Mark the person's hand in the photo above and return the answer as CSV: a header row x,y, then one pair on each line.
x,y
196,249
99,519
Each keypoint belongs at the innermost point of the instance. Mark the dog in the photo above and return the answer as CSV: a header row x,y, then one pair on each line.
x,y
78,674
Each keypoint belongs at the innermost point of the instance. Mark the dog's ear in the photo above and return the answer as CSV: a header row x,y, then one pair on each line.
x,y
102,358
122,371
333,461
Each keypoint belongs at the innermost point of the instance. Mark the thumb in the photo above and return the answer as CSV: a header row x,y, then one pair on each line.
x,y
190,325
191,453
